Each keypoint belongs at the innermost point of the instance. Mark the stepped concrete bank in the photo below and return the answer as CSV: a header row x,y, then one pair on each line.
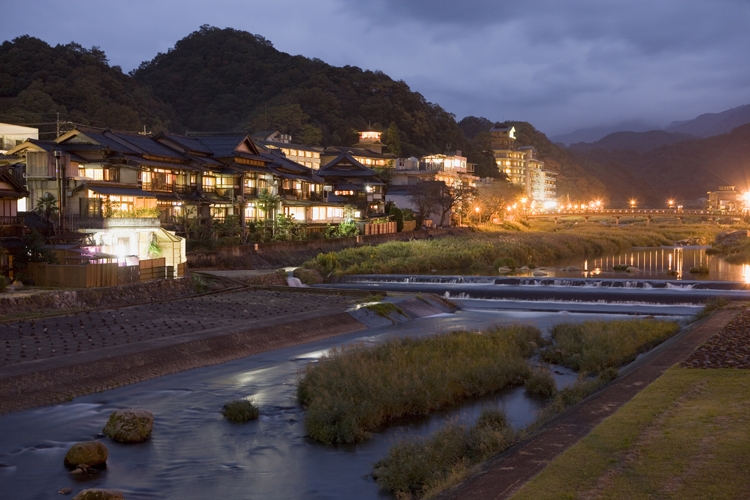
x,y
56,358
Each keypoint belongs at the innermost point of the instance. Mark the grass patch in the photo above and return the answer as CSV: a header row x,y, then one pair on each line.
x,y
355,390
712,305
684,436
385,309
240,411
594,346
426,466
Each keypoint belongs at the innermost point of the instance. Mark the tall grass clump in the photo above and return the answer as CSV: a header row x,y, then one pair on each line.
x,y
355,390
594,346
418,468
540,384
240,411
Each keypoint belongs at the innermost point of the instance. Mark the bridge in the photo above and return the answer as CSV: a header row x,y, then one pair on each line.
x,y
635,213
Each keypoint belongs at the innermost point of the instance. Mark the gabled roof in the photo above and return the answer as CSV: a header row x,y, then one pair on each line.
x,y
184,144
226,145
344,165
354,151
9,188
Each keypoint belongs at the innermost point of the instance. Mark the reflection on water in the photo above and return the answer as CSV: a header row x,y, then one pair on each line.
x,y
654,263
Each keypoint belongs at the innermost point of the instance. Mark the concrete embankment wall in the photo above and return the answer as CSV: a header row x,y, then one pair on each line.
x,y
295,252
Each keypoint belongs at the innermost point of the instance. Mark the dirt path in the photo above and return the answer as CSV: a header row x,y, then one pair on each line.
x,y
503,475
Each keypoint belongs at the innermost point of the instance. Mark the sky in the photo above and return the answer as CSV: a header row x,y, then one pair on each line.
x,y
559,64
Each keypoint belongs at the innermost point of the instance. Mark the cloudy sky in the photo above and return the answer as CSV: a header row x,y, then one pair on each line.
x,y
559,64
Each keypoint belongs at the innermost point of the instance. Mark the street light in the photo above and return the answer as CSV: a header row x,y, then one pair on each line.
x,y
670,202
632,203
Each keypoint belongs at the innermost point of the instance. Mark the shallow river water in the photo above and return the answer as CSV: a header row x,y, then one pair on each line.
x,y
195,454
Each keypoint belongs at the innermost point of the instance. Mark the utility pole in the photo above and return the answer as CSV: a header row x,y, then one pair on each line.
x,y
58,126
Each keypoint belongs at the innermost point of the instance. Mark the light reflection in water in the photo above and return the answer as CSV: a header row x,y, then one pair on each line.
x,y
657,263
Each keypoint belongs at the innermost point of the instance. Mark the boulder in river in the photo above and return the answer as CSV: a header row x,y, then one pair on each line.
x,y
99,494
633,269
87,453
129,425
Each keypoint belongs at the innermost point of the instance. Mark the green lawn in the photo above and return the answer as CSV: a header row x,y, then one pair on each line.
x,y
685,436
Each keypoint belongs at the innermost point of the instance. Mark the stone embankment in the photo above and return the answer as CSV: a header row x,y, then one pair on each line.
x,y
729,348
41,302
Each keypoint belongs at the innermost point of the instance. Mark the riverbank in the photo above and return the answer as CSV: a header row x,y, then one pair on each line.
x,y
504,475
484,253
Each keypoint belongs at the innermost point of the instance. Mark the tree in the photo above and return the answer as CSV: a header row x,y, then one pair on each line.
x,y
46,206
431,196
393,140
493,198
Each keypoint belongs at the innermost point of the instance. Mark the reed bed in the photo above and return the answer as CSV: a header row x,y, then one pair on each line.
x,y
594,346
478,252
354,391
422,467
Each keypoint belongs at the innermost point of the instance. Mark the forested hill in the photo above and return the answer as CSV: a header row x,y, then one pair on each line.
x,y
684,170
38,81
225,79
222,80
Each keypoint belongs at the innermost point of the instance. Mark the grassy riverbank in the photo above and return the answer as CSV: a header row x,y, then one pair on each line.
x,y
356,390
483,251
684,436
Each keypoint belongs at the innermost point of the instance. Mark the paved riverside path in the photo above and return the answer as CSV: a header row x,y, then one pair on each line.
x,y
53,359
501,476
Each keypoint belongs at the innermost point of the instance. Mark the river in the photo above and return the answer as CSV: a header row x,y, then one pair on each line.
x,y
195,454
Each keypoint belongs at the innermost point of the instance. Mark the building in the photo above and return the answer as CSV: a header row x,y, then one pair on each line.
x,y
728,199
368,152
521,165
13,135
309,156
355,184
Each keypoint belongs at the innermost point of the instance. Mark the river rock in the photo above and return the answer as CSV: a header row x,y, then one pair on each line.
x,y
539,273
632,269
129,425
99,494
88,453
504,270
572,269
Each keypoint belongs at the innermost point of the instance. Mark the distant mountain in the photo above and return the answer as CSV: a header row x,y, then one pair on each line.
x,y
710,124
635,141
684,170
592,134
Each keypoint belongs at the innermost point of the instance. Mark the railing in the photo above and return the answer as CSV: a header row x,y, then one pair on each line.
x,y
7,220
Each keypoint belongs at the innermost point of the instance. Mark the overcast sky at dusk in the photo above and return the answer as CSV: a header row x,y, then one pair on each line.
x,y
560,65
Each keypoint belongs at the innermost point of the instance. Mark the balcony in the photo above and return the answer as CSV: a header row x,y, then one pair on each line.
x,y
115,222
6,220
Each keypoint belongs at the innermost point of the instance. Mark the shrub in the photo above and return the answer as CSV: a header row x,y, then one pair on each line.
x,y
198,283
240,411
712,305
505,262
699,270
541,384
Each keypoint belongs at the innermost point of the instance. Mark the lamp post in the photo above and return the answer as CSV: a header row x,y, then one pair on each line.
x,y
632,204
477,210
